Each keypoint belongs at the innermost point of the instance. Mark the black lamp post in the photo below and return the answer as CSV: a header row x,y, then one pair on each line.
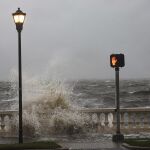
x,y
19,18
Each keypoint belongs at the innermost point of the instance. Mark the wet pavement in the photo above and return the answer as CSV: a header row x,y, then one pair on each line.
x,y
78,143
100,142
105,145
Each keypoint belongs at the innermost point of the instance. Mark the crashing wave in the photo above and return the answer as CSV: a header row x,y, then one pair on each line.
x,y
47,109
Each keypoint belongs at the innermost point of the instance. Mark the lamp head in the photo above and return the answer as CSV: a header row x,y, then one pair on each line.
x,y
19,18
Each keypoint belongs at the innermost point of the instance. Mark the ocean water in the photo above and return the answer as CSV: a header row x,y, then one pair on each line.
x,y
50,107
90,93
101,93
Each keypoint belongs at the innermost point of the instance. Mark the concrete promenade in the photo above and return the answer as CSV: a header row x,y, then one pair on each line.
x,y
104,145
89,143
78,143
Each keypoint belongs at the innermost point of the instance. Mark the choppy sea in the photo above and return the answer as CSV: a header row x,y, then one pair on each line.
x,y
101,93
95,93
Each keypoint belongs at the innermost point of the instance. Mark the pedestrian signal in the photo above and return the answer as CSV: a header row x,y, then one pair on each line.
x,y
117,60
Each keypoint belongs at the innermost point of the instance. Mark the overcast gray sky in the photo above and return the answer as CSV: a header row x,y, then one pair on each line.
x,y
74,38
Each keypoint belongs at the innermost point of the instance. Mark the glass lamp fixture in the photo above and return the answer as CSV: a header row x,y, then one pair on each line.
x,y
19,18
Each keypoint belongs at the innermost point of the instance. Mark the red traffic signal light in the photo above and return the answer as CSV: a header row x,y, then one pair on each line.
x,y
117,60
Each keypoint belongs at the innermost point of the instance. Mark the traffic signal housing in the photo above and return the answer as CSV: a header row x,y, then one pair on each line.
x,y
117,60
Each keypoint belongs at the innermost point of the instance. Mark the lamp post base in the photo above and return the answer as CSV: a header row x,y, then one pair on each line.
x,y
118,138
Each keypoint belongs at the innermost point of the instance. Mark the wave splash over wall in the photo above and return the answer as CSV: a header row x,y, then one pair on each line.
x,y
47,108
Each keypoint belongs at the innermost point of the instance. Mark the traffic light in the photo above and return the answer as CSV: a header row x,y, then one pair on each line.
x,y
117,60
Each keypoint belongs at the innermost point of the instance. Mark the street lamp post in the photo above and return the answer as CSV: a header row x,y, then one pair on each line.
x,y
19,18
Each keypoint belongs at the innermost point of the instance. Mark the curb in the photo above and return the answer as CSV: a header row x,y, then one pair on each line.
x,y
62,148
135,147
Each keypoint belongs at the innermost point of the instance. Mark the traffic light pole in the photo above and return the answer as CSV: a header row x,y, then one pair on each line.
x,y
117,100
118,137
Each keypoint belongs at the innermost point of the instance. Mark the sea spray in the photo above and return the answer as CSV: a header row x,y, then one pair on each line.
x,y
47,109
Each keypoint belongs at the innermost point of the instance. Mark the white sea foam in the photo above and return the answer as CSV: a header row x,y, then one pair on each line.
x,y
132,92
47,108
